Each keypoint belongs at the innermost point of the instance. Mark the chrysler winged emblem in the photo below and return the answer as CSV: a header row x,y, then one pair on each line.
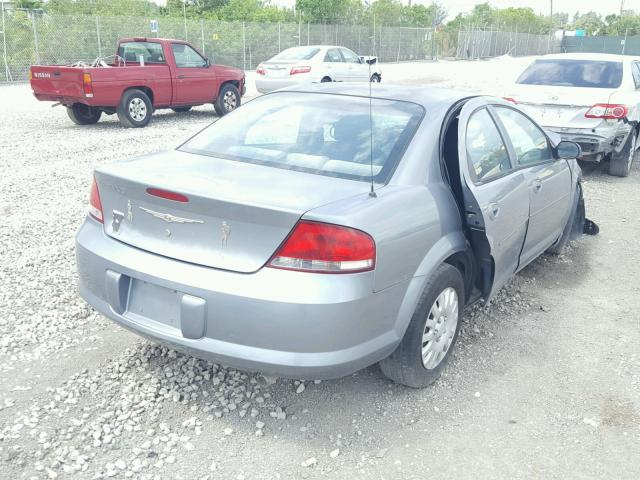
x,y
225,231
167,217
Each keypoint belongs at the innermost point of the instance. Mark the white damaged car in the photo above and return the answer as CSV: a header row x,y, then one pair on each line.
x,y
591,99
315,64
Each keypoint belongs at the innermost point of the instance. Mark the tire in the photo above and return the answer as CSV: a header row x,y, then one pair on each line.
x,y
375,78
405,365
135,109
228,99
181,109
574,225
620,164
82,114
326,80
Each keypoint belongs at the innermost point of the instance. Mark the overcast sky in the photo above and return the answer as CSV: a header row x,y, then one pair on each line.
x,y
604,7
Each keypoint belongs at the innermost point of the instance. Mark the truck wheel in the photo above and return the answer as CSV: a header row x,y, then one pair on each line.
x,y
82,114
620,164
228,99
135,109
426,346
181,109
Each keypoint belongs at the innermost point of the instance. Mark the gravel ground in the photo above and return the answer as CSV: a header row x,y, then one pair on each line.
x,y
545,383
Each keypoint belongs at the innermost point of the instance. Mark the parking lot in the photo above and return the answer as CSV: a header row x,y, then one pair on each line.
x,y
545,383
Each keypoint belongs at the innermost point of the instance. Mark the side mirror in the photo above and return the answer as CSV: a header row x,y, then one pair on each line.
x,y
568,150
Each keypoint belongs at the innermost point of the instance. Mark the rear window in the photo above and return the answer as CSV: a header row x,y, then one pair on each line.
x,y
295,54
573,73
314,133
132,51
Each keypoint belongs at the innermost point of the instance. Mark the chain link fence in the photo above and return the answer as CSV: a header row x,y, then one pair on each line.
x,y
475,43
34,37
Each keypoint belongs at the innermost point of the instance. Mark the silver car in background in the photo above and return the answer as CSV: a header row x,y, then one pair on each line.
x,y
315,64
591,99
322,246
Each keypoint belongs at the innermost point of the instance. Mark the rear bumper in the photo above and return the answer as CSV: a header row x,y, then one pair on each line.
x,y
267,85
289,324
595,142
66,100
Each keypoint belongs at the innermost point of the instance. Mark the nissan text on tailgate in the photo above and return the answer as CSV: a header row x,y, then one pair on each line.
x,y
144,75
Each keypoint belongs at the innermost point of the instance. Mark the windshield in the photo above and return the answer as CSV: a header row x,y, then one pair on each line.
x,y
573,73
315,133
295,54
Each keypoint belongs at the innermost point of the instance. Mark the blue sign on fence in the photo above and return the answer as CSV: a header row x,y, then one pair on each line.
x,y
154,26
581,33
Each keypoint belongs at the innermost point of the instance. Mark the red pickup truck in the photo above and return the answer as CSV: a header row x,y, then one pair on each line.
x,y
144,75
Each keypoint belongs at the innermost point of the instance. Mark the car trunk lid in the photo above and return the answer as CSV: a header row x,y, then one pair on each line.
x,y
236,216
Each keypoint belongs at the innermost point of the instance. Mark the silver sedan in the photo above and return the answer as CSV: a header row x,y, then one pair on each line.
x,y
311,233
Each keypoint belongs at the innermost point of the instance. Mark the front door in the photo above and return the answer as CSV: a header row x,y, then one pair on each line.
x,y
357,71
549,181
496,196
334,65
195,81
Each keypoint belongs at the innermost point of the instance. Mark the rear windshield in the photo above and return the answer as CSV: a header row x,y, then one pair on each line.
x,y
150,52
573,73
296,53
315,133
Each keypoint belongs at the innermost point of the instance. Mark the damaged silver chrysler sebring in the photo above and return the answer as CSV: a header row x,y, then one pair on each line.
x,y
312,233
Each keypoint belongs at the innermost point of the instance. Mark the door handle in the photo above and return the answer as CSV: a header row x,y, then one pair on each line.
x,y
180,76
537,185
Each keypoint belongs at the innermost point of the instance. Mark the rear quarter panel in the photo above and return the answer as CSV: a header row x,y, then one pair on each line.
x,y
110,83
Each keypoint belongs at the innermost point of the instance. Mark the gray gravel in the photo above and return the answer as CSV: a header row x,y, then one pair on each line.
x,y
545,382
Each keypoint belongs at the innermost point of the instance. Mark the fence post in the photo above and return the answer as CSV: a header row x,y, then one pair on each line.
x,y
98,36
202,33
244,48
399,44
308,32
35,37
279,38
624,45
7,72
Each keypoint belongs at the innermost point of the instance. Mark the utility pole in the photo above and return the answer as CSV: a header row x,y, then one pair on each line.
x,y
551,16
621,7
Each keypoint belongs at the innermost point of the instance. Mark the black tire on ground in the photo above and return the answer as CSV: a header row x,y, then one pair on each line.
x,y
181,109
135,109
375,78
326,80
82,114
228,99
620,164
405,365
574,225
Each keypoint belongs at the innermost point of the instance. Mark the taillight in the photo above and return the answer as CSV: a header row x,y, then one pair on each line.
x,y
30,75
511,100
95,205
325,248
607,110
87,86
176,197
260,71
300,69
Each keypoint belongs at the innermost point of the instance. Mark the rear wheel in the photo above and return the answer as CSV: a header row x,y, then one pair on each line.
x,y
228,99
82,114
135,109
181,109
431,335
620,164
326,80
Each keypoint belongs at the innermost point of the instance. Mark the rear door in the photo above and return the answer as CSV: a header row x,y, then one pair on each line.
x,y
335,66
496,196
356,70
195,81
549,181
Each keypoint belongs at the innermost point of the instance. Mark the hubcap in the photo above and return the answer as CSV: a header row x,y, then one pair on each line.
x,y
137,109
230,101
440,328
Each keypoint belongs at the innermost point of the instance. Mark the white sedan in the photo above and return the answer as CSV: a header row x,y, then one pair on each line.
x,y
315,64
591,99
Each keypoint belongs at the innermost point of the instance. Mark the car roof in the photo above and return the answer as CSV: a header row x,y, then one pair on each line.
x,y
426,96
610,57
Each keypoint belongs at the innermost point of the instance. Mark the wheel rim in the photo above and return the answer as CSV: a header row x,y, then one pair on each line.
x,y
440,328
137,109
230,101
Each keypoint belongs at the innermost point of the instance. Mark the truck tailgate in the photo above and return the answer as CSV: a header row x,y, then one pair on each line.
x,y
57,81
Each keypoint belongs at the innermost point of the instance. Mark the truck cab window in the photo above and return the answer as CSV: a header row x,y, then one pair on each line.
x,y
149,51
187,57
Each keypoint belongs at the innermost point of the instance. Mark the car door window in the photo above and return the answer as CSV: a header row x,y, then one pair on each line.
x,y
333,56
349,56
529,142
486,151
635,70
187,57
